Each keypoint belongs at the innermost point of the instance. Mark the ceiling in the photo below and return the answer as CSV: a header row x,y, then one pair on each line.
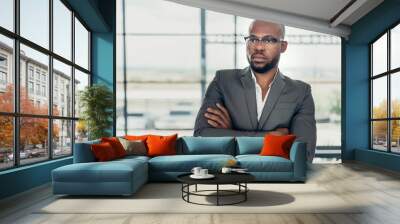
x,y
326,16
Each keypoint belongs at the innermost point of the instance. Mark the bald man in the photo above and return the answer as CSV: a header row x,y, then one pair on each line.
x,y
259,99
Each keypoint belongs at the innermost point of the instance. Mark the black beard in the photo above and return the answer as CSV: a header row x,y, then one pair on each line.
x,y
266,68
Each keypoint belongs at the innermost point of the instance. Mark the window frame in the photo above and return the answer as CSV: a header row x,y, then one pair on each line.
x,y
388,74
16,114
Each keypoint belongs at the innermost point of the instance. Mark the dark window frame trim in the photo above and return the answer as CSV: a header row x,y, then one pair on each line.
x,y
388,74
16,115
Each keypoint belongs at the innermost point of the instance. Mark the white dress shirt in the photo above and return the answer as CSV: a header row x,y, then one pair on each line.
x,y
259,100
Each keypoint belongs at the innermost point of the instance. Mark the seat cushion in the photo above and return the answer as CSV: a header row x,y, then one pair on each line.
x,y
257,163
111,171
185,163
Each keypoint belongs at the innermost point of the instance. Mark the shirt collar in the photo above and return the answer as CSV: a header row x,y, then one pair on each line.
x,y
253,76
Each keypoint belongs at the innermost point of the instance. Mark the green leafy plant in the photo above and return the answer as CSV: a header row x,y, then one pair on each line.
x,y
96,103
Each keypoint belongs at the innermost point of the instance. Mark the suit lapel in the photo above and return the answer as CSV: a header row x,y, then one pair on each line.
x,y
273,96
250,95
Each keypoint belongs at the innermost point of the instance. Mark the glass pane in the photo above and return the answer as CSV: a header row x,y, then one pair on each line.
x,y
379,55
62,138
159,16
395,47
395,136
219,56
81,45
6,74
379,98
81,131
62,89
6,142
182,64
35,21
62,29
34,97
379,135
219,23
81,81
33,139
242,31
7,14
395,94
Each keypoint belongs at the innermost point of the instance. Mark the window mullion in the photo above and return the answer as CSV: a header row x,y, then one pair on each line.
x,y
50,81
16,84
73,82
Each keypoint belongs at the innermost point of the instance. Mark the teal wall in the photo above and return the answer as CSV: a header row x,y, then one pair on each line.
x,y
24,178
103,64
356,85
99,16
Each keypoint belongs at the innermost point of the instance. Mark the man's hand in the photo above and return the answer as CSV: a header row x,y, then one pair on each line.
x,y
218,117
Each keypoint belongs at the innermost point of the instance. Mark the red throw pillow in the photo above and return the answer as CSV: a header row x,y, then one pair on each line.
x,y
275,145
116,145
161,145
103,151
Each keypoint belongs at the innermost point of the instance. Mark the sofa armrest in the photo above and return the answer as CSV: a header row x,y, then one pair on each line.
x,y
83,152
298,155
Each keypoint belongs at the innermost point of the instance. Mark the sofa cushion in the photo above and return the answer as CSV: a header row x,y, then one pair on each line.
x,y
131,158
136,137
134,147
111,171
257,163
116,145
185,163
207,145
161,145
275,145
103,152
249,145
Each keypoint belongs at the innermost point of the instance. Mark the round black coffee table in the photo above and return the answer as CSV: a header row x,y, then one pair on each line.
x,y
238,179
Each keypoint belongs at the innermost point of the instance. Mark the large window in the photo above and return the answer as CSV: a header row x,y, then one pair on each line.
x,y
385,94
168,53
40,80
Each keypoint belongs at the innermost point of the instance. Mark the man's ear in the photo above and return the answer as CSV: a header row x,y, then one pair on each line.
x,y
283,46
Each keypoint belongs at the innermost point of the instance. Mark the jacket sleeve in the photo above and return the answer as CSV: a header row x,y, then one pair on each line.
x,y
212,97
303,123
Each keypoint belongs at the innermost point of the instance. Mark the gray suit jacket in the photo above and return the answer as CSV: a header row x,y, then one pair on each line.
x,y
289,105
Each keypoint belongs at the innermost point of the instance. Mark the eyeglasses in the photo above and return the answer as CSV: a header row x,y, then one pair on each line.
x,y
264,41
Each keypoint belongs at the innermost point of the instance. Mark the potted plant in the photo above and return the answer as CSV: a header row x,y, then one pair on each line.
x,y
96,104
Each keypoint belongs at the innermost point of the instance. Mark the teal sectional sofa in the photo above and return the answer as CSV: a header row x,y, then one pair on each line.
x,y
125,176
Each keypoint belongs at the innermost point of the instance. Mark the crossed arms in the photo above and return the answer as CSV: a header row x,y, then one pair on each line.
x,y
214,120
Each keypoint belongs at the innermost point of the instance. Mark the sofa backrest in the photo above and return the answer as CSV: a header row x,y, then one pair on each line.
x,y
189,145
249,145
206,145
83,152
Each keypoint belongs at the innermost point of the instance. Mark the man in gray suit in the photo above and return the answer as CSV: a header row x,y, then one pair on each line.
x,y
259,99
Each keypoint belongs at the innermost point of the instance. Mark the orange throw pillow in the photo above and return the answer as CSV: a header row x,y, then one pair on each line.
x,y
136,137
161,145
275,145
103,151
116,145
